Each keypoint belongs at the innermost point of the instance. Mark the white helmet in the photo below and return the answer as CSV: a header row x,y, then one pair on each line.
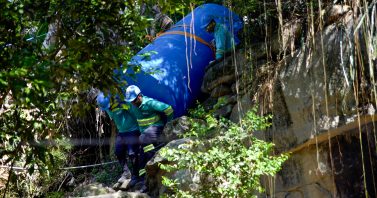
x,y
132,92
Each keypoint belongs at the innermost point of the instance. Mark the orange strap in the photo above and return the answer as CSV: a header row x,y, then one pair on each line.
x,y
191,36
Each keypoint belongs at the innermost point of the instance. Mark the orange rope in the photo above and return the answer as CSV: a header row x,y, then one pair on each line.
x,y
192,36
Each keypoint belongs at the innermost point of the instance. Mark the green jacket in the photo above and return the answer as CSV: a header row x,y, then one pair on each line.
x,y
224,40
123,119
150,111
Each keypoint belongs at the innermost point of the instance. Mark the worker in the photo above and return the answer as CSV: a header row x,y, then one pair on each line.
x,y
161,23
127,139
151,118
224,40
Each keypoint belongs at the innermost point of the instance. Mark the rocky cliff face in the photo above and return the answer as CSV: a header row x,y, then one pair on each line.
x,y
322,97
324,114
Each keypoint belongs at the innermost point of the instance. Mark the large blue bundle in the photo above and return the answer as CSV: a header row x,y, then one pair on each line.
x,y
173,64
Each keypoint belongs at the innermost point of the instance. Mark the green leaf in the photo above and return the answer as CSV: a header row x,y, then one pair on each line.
x,y
3,82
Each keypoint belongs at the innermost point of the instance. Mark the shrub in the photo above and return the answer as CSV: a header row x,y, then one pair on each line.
x,y
38,179
107,174
229,164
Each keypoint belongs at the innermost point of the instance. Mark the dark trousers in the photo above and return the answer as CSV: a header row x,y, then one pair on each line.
x,y
127,144
151,141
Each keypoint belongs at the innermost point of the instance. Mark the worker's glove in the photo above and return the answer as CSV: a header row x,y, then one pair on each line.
x,y
149,38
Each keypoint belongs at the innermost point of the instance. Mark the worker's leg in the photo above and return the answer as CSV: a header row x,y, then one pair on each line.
x,y
121,148
149,140
133,149
121,153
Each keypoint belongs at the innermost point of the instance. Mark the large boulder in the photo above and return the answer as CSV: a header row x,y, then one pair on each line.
x,y
312,90
223,73
242,106
176,128
92,189
155,173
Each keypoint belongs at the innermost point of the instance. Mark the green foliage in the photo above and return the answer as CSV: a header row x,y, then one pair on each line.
x,y
229,164
43,84
177,9
107,174
41,175
55,194
220,102
199,112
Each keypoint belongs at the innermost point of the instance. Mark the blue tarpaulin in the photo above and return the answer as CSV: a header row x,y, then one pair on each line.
x,y
173,65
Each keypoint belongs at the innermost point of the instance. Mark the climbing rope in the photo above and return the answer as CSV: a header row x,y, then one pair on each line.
x,y
65,168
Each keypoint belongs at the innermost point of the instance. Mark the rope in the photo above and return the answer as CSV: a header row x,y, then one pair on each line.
x,y
65,168
87,166
73,167
191,36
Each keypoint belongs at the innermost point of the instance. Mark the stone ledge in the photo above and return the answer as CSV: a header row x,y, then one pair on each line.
x,y
325,136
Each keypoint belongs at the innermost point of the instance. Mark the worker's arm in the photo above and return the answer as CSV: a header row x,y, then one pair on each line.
x,y
219,41
163,108
224,40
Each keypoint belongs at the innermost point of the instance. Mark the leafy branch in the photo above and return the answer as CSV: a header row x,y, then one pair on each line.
x,y
229,164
